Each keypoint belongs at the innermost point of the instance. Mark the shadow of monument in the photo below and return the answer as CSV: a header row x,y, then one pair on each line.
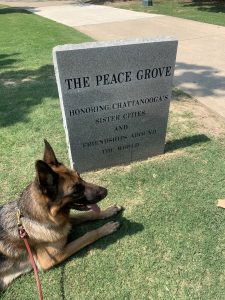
x,y
186,142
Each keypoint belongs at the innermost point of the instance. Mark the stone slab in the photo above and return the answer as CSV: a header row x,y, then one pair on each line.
x,y
115,99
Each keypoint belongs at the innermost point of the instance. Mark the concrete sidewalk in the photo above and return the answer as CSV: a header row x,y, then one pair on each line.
x,y
200,68
83,15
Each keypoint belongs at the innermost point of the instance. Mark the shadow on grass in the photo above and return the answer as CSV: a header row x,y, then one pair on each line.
x,y
206,6
127,228
13,10
186,142
62,289
22,90
6,61
179,95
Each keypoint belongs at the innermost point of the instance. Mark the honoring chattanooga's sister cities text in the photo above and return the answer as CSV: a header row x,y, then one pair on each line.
x,y
118,105
117,78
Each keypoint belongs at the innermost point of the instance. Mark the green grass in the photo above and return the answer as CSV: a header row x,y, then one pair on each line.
x,y
208,12
171,241
29,105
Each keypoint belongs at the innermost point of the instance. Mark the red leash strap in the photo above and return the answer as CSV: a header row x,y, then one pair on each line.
x,y
23,235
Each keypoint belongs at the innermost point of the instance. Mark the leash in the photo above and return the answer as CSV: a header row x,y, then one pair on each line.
x,y
24,236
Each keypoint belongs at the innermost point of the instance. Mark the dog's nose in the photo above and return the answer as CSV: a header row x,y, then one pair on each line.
x,y
94,193
102,193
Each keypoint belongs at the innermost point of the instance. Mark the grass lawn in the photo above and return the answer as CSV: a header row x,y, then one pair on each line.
x,y
171,241
208,12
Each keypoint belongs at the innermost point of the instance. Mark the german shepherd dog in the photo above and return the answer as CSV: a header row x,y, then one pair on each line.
x,y
45,207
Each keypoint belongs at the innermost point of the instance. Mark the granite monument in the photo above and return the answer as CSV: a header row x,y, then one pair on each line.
x,y
115,99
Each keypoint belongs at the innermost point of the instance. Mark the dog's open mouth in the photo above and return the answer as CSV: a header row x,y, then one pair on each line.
x,y
94,207
84,207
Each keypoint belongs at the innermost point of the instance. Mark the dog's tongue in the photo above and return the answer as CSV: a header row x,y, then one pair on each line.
x,y
94,207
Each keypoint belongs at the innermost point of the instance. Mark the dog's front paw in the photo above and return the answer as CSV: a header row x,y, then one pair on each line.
x,y
108,228
111,211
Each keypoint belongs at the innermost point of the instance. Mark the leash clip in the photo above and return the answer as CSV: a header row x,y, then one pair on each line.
x,y
18,216
21,230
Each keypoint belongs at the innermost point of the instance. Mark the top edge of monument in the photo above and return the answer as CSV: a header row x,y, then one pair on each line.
x,y
101,44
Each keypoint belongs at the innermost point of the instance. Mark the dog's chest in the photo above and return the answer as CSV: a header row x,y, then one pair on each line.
x,y
45,233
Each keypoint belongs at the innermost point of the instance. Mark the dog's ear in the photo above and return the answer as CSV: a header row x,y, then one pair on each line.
x,y
49,155
47,179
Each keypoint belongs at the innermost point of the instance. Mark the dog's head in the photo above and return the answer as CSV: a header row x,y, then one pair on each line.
x,y
63,189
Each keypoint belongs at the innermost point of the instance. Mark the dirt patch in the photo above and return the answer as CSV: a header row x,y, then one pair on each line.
x,y
205,122
186,112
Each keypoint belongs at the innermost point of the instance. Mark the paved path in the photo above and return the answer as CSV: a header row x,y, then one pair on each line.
x,y
83,15
200,68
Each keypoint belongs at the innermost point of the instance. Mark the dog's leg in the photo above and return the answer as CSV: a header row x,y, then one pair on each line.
x,y
49,256
91,215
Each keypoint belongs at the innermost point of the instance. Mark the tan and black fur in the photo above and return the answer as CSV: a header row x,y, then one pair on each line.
x,y
45,208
